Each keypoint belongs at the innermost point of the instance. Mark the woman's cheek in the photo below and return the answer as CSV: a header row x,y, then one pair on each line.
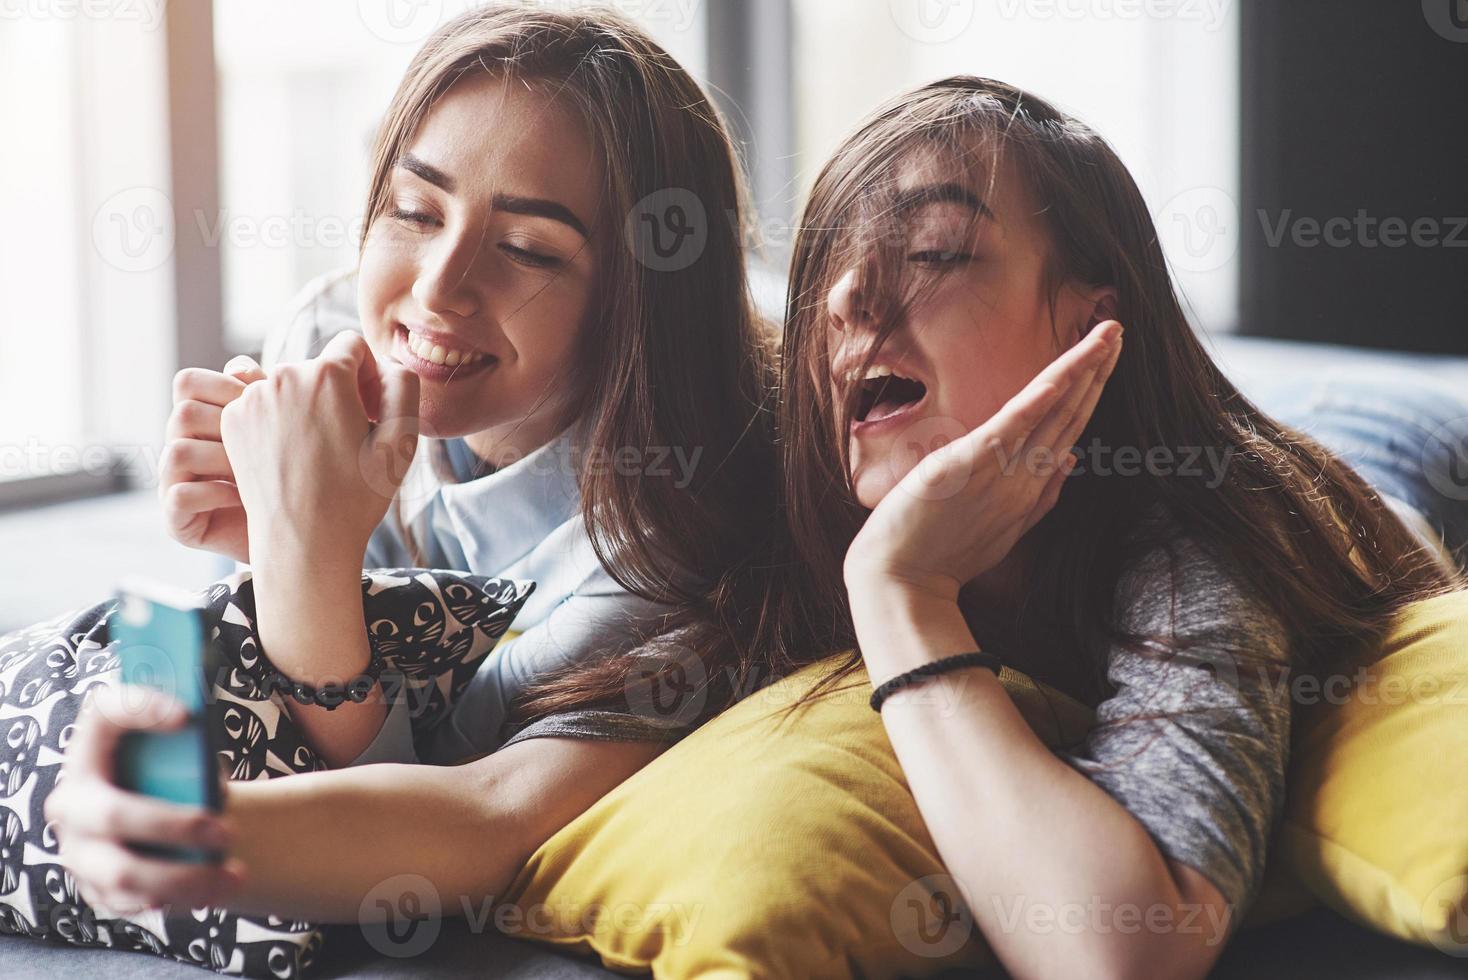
x,y
383,276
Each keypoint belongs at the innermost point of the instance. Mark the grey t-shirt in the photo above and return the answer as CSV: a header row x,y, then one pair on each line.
x,y
1194,745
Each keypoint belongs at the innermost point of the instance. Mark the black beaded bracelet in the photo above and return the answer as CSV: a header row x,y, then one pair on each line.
x,y
330,695
958,661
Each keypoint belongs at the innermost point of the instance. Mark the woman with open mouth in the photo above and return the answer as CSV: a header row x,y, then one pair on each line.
x,y
980,316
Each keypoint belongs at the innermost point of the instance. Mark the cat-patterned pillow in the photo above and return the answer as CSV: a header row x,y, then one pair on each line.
x,y
432,629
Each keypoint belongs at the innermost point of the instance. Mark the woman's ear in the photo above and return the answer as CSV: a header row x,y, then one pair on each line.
x,y
1103,306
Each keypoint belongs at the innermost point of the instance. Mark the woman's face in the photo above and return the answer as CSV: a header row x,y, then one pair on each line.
x,y
981,331
479,273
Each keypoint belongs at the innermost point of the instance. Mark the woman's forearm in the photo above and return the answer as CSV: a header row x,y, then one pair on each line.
x,y
310,620
1050,863
316,845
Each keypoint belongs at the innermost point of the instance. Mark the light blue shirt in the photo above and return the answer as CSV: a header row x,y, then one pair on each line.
x,y
521,521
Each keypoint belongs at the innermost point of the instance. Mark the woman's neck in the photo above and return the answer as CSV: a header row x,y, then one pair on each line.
x,y
503,445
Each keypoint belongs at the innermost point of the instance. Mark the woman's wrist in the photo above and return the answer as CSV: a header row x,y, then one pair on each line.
x,y
309,617
900,626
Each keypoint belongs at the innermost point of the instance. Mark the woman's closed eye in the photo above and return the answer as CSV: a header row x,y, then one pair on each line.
x,y
529,257
421,220
939,256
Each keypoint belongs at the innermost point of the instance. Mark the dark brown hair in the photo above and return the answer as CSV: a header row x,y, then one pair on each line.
x,y
675,357
1301,527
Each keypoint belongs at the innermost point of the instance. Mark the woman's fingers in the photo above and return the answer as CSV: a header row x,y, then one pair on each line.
x,y
119,879
1050,494
1015,422
1082,416
348,346
201,384
1078,402
97,808
244,368
194,459
1073,364
110,711
351,349
182,501
193,419
400,390
94,819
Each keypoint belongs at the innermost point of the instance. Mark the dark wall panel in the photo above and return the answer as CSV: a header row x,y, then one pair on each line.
x,y
1355,172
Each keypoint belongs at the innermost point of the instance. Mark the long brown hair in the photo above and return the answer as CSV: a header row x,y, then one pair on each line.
x,y
1317,543
675,357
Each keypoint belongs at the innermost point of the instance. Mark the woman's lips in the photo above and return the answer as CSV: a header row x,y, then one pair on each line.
x,y
429,371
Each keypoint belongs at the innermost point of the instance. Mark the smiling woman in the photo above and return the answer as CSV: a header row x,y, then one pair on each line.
x,y
490,319
506,317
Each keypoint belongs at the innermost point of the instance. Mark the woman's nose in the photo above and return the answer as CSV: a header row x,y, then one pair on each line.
x,y
444,283
845,303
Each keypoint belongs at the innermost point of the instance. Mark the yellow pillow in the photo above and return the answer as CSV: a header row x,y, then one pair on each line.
x,y
799,851
747,850
1377,821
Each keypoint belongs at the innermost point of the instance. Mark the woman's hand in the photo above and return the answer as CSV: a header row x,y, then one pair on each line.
x,y
201,504
314,472
961,509
93,819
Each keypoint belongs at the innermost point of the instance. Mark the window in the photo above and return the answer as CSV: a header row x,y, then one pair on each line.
x,y
86,314
301,89
1159,81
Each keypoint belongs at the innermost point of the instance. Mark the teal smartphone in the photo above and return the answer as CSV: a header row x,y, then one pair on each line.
x,y
162,642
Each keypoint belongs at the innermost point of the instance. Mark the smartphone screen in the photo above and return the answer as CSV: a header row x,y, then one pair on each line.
x,y
162,643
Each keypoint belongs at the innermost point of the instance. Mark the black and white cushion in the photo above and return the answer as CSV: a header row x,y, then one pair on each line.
x,y
432,628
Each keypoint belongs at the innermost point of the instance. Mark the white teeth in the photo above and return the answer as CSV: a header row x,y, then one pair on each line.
x,y
440,355
878,371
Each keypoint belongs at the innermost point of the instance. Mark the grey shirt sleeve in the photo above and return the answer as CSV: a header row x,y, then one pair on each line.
x,y
582,626
1195,742
394,741
599,725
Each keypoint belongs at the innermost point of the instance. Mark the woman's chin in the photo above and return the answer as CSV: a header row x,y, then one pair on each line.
x,y
872,483
442,422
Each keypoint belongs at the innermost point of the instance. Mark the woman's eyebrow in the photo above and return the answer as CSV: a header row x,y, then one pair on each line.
x,y
534,207
948,193
427,171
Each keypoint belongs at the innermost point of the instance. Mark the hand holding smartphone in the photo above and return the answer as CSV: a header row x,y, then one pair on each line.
x,y
163,644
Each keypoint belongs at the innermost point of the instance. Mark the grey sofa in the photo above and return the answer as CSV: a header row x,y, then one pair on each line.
x,y
1316,944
